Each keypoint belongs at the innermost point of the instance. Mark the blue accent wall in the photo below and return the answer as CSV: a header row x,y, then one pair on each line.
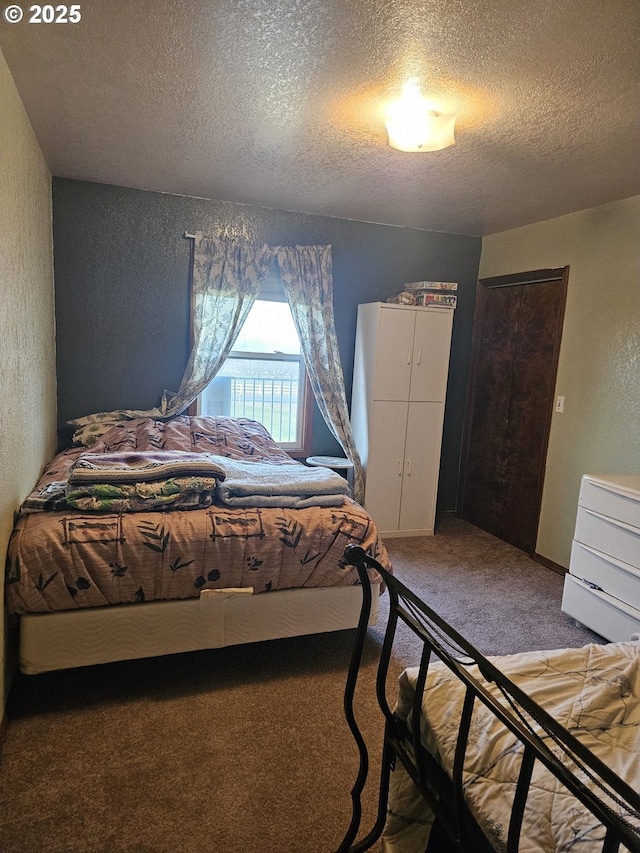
x,y
122,293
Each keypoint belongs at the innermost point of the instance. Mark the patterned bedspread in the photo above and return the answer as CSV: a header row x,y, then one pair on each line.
x,y
60,558
594,692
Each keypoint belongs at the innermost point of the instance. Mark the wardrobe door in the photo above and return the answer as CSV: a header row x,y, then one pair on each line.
x,y
421,465
385,467
431,344
394,351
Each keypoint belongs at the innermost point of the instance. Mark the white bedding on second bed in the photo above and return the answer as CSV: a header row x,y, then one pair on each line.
x,y
593,691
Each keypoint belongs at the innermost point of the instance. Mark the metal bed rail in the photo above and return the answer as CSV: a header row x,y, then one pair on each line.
x,y
614,806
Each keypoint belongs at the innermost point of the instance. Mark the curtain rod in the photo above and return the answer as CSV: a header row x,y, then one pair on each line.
x,y
189,236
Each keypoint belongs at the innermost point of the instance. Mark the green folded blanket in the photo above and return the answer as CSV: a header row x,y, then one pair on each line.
x,y
176,493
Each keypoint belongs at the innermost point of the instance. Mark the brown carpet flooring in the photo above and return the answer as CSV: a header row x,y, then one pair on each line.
x,y
243,750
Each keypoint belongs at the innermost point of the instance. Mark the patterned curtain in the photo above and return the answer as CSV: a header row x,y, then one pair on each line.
x,y
227,274
307,280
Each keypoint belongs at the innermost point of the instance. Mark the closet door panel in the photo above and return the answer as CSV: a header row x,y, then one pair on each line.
x,y
517,332
532,386
489,416
421,466
386,463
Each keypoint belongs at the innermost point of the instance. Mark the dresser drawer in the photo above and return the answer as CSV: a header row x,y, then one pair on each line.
x,y
607,616
617,497
612,575
608,536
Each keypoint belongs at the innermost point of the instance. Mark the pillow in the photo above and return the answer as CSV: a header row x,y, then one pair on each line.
x,y
88,434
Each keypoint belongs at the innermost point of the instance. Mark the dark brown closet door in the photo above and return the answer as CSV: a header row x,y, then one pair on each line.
x,y
517,330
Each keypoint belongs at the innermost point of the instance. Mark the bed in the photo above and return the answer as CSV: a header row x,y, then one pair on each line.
x,y
190,558
535,752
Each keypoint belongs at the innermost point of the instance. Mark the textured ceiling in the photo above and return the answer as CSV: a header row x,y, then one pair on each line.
x,y
278,103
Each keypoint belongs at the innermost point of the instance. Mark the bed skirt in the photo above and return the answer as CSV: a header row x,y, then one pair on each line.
x,y
73,638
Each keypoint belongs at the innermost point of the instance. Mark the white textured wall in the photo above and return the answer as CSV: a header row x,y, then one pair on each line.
x,y
27,326
599,368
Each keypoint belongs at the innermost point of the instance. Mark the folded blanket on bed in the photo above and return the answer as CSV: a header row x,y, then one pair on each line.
x,y
48,498
294,486
142,466
173,493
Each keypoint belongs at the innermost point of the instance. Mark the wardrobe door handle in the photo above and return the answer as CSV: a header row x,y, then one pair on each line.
x,y
408,467
408,356
399,467
419,358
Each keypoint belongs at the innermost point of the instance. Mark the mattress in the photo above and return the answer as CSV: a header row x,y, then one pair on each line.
x,y
60,558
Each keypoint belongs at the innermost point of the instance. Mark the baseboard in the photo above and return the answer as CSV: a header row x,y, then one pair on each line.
x,y
446,513
4,725
545,561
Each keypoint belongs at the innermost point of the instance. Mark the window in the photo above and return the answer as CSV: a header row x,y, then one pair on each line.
x,y
264,377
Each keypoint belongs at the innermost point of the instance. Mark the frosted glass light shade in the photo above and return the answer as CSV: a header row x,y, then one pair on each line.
x,y
413,126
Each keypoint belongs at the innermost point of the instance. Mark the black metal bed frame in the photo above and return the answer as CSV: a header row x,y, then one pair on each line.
x,y
444,795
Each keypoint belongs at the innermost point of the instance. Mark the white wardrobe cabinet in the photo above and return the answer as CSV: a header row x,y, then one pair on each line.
x,y
399,384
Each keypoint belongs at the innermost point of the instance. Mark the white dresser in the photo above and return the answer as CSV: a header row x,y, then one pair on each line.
x,y
602,589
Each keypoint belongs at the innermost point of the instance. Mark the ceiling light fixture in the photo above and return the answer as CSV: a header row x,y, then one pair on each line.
x,y
413,126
